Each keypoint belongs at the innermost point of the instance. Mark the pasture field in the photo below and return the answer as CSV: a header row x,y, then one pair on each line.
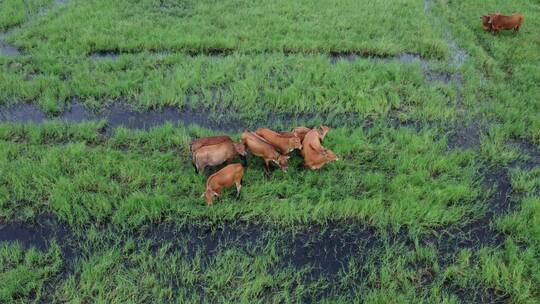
x,y
435,198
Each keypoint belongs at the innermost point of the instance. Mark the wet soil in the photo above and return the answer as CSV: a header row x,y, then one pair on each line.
x,y
210,240
327,250
39,234
121,114
480,232
5,48
465,136
531,155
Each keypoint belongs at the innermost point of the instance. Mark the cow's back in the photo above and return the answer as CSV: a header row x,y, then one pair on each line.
x,y
207,141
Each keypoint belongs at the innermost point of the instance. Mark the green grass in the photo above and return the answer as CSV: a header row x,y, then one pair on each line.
x,y
411,217
311,26
135,177
25,274
16,12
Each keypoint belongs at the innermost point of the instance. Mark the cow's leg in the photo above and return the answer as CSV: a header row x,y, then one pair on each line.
x,y
200,168
516,29
238,187
267,168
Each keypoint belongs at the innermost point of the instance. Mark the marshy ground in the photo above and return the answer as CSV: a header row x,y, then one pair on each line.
x,y
437,199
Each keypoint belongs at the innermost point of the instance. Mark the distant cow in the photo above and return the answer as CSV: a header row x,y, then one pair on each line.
x,y
315,155
498,22
226,177
260,147
216,154
282,142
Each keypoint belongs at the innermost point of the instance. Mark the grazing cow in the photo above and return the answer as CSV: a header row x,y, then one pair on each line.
x,y
301,132
260,147
315,155
486,21
498,22
323,130
226,177
206,141
216,154
283,143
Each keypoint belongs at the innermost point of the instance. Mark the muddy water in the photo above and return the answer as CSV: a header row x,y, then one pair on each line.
x,y
465,136
120,114
39,235
105,55
328,250
6,49
431,76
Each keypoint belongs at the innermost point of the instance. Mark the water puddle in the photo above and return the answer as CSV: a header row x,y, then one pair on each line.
x,y
121,114
105,55
328,250
531,153
427,6
192,239
6,49
459,55
38,235
480,232
465,136
430,75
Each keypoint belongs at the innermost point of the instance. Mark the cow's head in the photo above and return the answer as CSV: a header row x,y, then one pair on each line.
x,y
209,195
330,155
323,130
295,143
486,22
282,162
240,148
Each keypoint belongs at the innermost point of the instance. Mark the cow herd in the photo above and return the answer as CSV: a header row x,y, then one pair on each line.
x,y
496,22
273,147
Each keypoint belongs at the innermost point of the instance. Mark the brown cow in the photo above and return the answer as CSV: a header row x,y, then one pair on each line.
x,y
283,143
301,132
315,155
486,21
206,141
226,177
503,22
213,155
260,147
323,130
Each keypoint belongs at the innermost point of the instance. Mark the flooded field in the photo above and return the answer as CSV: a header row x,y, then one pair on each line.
x,y
434,199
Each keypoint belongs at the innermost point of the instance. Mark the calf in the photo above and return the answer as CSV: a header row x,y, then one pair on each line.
x,y
499,22
213,155
283,143
260,147
315,155
226,177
